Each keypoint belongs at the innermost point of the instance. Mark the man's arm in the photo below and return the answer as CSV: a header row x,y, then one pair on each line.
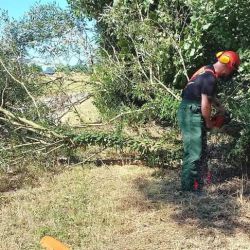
x,y
206,107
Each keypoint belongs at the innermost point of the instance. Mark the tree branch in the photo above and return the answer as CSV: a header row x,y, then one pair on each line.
x,y
22,84
29,125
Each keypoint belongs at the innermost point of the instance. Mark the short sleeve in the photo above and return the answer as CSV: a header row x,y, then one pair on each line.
x,y
208,84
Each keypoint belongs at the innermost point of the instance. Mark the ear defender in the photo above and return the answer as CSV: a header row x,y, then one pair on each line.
x,y
223,58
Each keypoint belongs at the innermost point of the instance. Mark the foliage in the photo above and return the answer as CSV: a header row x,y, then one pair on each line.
x,y
19,90
165,152
147,50
49,34
89,8
153,46
18,80
23,137
45,31
73,68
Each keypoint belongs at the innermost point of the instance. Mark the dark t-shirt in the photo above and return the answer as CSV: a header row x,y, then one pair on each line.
x,y
202,83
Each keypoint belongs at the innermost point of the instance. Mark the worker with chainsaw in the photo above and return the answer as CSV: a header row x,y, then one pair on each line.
x,y
194,117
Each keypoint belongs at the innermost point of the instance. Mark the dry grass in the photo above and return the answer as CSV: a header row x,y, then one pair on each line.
x,y
75,83
124,207
70,83
87,111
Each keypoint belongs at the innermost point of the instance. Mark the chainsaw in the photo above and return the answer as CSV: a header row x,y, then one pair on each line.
x,y
220,119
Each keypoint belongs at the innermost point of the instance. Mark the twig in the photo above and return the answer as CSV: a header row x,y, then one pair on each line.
x,y
55,148
29,125
37,140
58,78
150,78
167,89
22,84
128,112
83,162
5,87
33,151
70,106
22,145
176,46
114,118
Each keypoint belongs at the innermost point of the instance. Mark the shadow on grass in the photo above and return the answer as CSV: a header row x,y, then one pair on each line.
x,y
25,177
29,175
219,208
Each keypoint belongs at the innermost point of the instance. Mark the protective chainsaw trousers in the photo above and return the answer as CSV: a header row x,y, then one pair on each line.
x,y
192,125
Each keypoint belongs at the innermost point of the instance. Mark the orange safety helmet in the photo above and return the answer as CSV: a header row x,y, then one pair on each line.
x,y
230,58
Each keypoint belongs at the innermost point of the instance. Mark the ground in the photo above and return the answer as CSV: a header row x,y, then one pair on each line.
x,y
124,207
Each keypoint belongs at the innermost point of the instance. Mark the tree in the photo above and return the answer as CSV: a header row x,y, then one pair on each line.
x,y
153,47
89,8
45,31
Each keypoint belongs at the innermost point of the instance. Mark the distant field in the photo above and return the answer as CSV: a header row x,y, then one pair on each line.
x,y
62,84
73,82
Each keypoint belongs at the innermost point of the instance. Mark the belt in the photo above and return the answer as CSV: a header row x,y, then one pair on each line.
x,y
194,106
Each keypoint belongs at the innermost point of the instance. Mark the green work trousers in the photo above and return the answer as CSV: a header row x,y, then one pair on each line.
x,y
193,130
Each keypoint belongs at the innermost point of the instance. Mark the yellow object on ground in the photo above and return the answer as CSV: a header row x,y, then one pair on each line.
x,y
50,243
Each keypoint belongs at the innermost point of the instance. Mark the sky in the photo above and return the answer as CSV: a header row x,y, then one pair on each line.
x,y
17,8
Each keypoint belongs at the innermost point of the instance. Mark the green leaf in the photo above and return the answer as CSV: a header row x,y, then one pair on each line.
x,y
206,26
192,52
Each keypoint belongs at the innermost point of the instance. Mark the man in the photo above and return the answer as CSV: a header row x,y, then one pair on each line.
x,y
194,116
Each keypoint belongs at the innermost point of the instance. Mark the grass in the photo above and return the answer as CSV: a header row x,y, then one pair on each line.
x,y
124,207
75,83
69,83
55,206
87,111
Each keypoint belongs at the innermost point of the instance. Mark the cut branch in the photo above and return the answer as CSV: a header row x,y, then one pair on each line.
x,y
29,125
22,84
